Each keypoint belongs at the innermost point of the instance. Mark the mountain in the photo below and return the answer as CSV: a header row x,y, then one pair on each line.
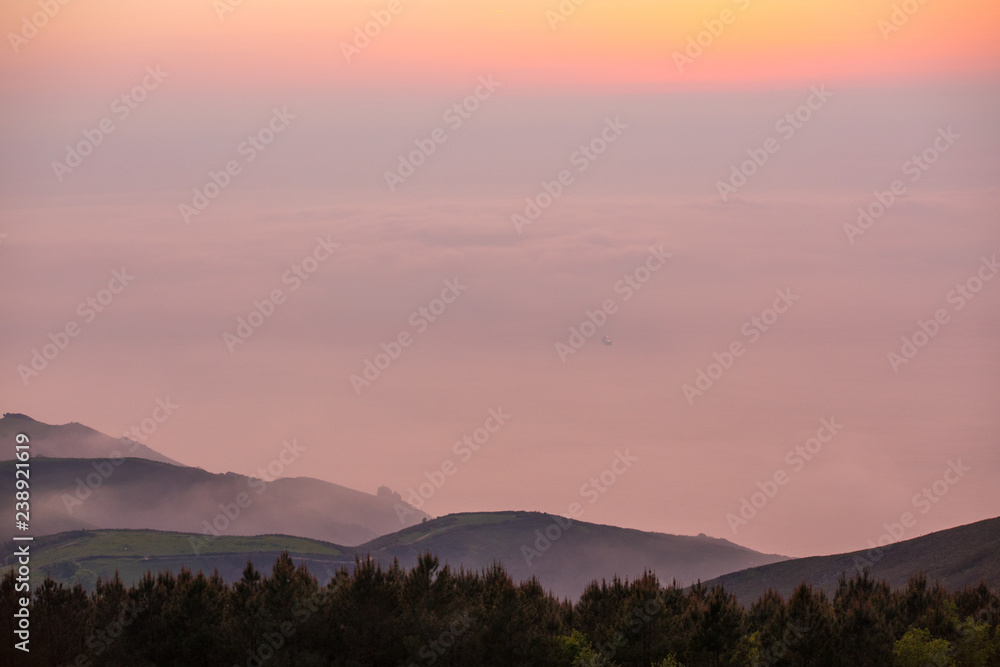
x,y
956,557
564,555
583,552
70,494
71,441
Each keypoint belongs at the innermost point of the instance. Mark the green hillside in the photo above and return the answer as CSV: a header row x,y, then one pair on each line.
x,y
582,552
564,556
83,555
956,557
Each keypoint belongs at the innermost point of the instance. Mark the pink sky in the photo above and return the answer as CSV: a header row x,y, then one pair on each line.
x,y
346,124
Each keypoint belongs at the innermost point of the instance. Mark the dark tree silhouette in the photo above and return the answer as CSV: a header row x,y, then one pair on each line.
x,y
371,615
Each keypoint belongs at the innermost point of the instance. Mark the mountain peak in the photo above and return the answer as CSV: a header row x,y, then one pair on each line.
x,y
75,440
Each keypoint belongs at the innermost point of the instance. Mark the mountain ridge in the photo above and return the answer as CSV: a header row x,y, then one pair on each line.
x,y
81,496
73,494
84,555
74,440
471,540
958,556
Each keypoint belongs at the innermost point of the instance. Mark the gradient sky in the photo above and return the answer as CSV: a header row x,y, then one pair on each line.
x,y
324,175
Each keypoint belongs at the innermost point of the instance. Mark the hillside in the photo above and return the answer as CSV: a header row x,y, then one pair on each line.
x,y
956,557
82,556
584,553
71,441
143,494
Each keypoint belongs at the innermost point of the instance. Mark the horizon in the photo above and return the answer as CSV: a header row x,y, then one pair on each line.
x,y
891,535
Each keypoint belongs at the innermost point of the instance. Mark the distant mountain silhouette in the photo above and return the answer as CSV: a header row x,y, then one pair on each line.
x,y
80,481
70,494
956,557
102,513
71,441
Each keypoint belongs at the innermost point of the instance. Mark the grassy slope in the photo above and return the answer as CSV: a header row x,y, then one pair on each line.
x,y
84,555
583,553
956,557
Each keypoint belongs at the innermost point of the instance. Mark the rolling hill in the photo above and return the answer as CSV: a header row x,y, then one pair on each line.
x,y
956,557
565,556
584,552
84,555
93,513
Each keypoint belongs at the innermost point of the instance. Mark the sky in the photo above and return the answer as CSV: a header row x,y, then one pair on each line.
x,y
669,175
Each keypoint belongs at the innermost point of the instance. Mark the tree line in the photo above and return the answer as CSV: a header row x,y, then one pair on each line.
x,y
391,616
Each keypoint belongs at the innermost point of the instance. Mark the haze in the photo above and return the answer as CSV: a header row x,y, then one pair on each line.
x,y
880,98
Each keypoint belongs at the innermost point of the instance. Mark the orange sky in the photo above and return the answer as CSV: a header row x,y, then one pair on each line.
x,y
435,41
